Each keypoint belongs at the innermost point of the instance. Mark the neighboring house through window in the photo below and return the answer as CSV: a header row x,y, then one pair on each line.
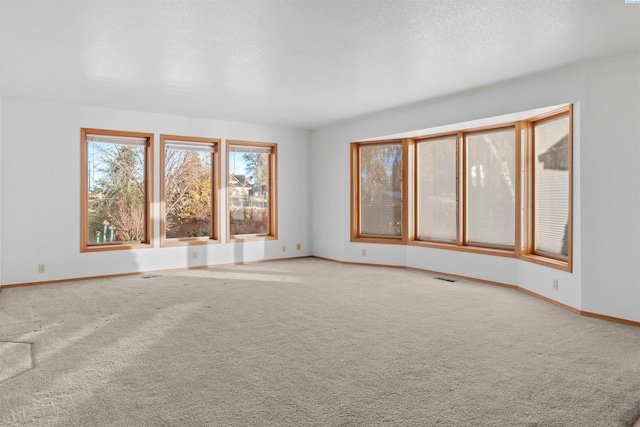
x,y
251,190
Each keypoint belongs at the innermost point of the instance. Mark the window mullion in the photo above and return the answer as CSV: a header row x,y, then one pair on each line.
x,y
462,190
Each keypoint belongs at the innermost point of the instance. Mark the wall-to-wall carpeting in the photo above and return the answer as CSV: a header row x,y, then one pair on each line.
x,y
308,342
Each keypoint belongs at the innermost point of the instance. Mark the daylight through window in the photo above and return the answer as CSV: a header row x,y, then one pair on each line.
x,y
437,189
188,188
552,186
251,190
491,188
116,189
501,190
381,190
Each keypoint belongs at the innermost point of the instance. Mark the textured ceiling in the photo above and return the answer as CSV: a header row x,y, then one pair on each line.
x,y
298,63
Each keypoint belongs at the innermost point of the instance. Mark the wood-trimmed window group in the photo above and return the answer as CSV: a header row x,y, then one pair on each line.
x,y
117,190
502,190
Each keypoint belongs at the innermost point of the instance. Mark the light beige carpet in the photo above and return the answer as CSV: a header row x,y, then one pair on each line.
x,y
310,342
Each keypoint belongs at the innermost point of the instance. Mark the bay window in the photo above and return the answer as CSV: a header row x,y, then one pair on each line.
x,y
502,190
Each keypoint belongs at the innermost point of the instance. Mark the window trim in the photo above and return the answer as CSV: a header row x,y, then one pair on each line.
x,y
356,236
459,191
461,243
463,206
524,204
215,193
85,246
529,252
273,192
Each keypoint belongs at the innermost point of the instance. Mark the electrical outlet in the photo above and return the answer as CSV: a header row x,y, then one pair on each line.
x,y
364,252
555,284
284,248
194,255
298,246
41,268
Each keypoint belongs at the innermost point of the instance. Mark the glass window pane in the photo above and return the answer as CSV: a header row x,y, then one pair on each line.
x,y
491,192
116,196
552,185
381,190
187,192
248,188
437,189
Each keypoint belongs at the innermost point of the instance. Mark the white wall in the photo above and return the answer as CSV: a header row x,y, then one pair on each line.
x,y
606,95
611,189
40,169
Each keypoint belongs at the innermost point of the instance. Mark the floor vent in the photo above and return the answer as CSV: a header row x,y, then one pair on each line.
x,y
444,279
149,277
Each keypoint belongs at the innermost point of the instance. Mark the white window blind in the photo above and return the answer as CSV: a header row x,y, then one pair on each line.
x,y
552,185
437,189
121,140
205,147
381,190
491,192
249,149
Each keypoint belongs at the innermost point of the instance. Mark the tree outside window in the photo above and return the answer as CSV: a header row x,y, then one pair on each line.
x,y
116,189
188,182
380,186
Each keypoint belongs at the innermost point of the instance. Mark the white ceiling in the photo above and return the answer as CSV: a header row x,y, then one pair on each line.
x,y
297,63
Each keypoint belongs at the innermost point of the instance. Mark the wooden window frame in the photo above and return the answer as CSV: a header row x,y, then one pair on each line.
x,y
273,192
464,205
355,233
461,164
524,204
85,246
215,193
528,251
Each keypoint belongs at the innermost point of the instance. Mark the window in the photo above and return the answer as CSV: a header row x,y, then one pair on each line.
x,y
116,190
377,196
188,186
437,189
251,190
491,188
502,190
552,186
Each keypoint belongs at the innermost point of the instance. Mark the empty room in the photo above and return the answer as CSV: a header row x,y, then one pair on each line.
x,y
319,212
